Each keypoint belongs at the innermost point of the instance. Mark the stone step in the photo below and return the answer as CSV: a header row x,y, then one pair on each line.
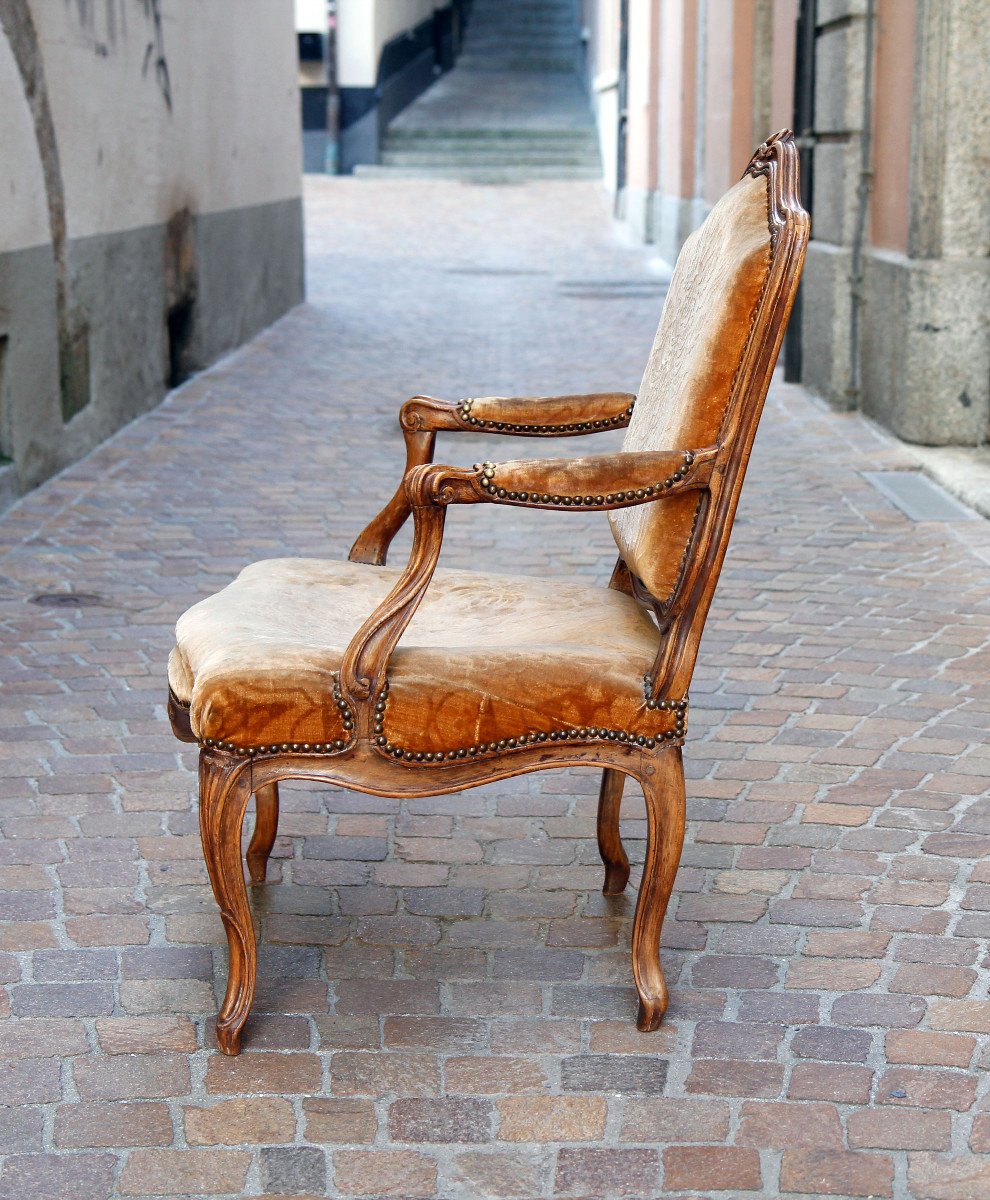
x,y
537,158
541,66
477,175
520,29
495,43
415,134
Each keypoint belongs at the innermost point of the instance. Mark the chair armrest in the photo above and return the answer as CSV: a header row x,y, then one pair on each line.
x,y
524,416
606,481
422,417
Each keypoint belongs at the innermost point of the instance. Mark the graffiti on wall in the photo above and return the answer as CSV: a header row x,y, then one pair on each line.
x,y
105,24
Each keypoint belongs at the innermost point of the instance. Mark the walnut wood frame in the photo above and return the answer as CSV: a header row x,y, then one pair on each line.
x,y
230,775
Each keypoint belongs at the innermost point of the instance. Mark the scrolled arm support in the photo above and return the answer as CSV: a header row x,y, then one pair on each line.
x,y
602,482
422,417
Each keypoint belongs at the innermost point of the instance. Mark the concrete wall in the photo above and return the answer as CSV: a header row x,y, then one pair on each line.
x,y
153,214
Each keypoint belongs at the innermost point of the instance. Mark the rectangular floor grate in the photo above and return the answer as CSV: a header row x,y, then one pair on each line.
x,y
918,497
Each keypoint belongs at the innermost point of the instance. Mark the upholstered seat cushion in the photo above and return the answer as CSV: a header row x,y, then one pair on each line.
x,y
485,658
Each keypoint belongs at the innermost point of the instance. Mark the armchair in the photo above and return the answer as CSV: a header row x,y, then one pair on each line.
x,y
421,681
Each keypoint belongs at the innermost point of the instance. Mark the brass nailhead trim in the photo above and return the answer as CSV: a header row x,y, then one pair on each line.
x,y
464,412
583,734
334,747
487,481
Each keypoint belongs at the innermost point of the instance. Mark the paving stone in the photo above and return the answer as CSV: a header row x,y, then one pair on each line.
x,y
449,1120
21,1130
339,1121
91,1125
376,1074
552,1118
251,1120
824,1081
836,1173
929,1049
927,1088
280,1074
715,1168
831,1044
680,1120
784,1126
496,1175
613,1073
900,1129
55,1177
384,1173
184,1172
583,1172
940,1177
290,1170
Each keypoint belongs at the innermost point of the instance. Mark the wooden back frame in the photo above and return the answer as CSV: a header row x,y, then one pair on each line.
x,y
230,775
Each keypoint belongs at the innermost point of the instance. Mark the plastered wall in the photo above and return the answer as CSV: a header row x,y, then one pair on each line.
x,y
150,172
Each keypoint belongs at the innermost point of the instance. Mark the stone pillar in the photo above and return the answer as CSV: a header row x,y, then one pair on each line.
x,y
926,347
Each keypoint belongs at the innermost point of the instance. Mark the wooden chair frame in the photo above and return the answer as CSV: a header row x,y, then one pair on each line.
x,y
368,762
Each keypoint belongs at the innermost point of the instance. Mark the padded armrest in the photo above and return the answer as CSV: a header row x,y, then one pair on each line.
x,y
525,416
604,481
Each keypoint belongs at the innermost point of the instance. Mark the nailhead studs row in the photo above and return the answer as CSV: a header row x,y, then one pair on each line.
x,y
500,493
678,707
464,412
334,747
584,734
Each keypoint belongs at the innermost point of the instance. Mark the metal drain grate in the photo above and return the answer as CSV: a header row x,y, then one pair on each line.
x,y
612,289
68,600
918,497
498,271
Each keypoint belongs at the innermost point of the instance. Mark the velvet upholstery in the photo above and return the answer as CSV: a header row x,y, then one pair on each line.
x,y
705,326
485,658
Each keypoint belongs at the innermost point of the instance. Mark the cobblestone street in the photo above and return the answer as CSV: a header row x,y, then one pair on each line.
x,y
445,1004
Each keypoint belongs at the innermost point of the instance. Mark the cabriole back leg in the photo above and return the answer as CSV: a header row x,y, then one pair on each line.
x,y
609,843
224,791
265,829
664,793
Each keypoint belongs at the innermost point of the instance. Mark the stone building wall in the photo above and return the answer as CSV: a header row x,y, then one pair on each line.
x,y
150,169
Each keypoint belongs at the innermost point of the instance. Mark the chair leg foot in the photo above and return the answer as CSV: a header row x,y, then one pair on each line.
x,y
650,1014
609,843
665,803
224,791
265,829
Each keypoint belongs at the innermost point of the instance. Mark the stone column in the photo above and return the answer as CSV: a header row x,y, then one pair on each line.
x,y
926,346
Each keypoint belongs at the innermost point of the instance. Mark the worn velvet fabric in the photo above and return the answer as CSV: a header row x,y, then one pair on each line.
x,y
699,346
485,658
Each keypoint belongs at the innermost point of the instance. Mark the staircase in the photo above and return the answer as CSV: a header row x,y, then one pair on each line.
x,y
522,35
511,110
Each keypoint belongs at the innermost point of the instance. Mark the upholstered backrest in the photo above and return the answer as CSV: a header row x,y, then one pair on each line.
x,y
693,366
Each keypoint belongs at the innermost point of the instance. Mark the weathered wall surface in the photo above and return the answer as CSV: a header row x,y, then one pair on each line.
x,y
152,218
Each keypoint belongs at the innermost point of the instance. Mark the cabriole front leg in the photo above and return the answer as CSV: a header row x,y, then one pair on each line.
x,y
224,792
663,789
